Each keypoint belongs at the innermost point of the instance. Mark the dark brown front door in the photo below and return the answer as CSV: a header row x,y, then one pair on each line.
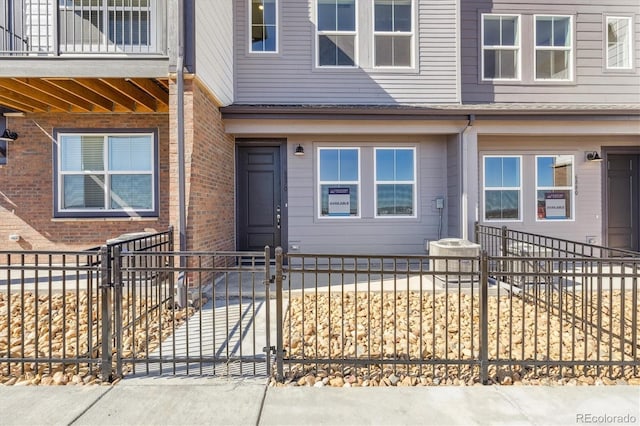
x,y
623,208
259,199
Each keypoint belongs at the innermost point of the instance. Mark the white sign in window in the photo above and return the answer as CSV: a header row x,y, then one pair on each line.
x,y
339,202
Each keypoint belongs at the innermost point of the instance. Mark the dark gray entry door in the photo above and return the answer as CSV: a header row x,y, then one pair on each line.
x,y
259,212
623,208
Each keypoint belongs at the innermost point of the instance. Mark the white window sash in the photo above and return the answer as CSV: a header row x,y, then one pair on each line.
x,y
412,182
625,46
338,33
518,188
499,47
277,25
395,34
567,48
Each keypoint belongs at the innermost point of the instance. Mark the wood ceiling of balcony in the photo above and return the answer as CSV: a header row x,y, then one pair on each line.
x,y
85,95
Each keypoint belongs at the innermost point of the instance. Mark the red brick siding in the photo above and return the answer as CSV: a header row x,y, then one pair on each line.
x,y
26,184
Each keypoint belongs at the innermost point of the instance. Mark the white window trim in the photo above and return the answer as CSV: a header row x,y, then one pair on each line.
x,y
569,48
571,189
502,188
410,34
517,47
413,182
319,184
107,211
338,33
629,43
250,31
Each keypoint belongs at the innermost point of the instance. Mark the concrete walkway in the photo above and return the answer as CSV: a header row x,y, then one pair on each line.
x,y
219,401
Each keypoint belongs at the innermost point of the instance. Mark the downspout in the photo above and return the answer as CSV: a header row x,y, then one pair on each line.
x,y
182,213
464,201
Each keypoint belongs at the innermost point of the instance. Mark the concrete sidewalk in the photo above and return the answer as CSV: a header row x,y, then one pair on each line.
x,y
218,401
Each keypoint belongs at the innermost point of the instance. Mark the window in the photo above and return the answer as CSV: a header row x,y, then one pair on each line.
x,y
500,47
554,187
3,152
264,26
106,174
618,42
502,187
336,33
339,182
553,48
395,182
393,33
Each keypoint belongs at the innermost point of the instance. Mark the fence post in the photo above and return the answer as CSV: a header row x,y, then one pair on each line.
x,y
267,282
279,317
106,368
503,243
484,318
476,232
117,307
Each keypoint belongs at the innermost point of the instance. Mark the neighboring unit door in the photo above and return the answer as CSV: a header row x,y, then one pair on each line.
x,y
623,208
259,199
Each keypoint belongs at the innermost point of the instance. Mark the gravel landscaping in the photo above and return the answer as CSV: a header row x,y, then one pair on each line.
x,y
413,326
62,326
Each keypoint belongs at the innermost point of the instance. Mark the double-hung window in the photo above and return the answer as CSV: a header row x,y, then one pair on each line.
x,y
395,182
554,187
619,43
500,47
502,188
339,182
336,25
106,175
553,48
264,25
393,33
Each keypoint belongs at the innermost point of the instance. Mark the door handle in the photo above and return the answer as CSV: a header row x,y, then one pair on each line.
x,y
278,220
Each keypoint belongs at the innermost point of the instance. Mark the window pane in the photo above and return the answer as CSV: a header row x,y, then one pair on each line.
x,y
554,171
395,199
509,31
561,34
402,51
554,204
507,60
83,191
402,15
384,15
544,30
384,51
502,172
329,165
404,164
491,64
511,172
618,43
336,50
346,50
385,165
130,153
348,164
132,191
543,64
491,30
346,11
327,15
82,153
324,198
502,204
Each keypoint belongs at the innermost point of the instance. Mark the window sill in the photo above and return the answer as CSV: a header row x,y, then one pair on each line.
x,y
105,219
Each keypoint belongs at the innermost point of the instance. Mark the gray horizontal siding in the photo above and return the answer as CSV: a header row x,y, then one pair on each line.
x,y
592,82
214,48
366,234
290,75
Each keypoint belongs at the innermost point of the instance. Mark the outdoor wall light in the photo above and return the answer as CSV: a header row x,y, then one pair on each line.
x,y
299,151
8,135
593,156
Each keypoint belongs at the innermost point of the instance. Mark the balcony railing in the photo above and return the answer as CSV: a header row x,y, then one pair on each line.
x,y
83,27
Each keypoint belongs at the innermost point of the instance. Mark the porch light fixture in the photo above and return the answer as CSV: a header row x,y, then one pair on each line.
x,y
8,135
593,156
299,151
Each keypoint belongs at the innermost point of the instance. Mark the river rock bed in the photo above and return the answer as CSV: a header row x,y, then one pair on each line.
x,y
344,327
68,326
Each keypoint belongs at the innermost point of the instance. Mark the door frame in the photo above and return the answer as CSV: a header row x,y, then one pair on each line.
x,y
606,151
266,142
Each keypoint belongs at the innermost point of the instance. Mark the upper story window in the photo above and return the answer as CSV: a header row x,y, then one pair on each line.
x,y
500,47
104,175
502,188
336,25
339,182
553,48
395,182
393,33
618,42
554,187
264,25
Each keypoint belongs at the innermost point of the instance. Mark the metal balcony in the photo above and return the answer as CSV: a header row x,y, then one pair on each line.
x,y
83,27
